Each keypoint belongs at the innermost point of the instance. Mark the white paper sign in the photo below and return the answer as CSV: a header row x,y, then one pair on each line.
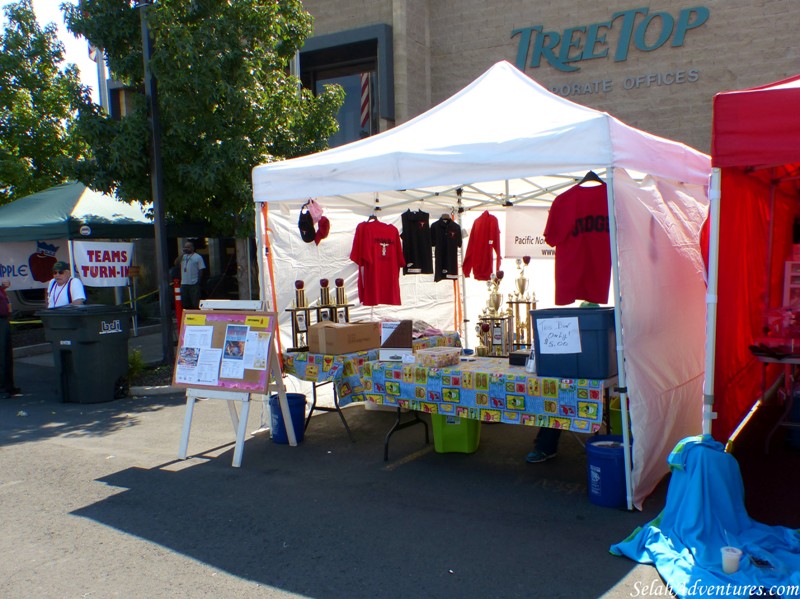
x,y
525,233
208,366
102,263
559,335
197,336
29,264
198,365
256,350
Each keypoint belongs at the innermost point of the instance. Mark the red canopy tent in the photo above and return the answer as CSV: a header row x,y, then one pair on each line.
x,y
755,154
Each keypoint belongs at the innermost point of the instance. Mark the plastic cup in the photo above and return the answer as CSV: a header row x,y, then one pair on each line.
x,y
730,559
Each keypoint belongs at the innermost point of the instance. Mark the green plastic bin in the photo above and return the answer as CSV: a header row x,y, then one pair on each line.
x,y
453,434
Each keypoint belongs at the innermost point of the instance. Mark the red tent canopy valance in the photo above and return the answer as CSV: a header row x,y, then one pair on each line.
x,y
758,127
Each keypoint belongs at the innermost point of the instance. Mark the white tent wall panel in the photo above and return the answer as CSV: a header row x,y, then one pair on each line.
x,y
663,317
422,298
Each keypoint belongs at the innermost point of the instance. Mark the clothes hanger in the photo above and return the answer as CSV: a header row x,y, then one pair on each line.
x,y
375,208
591,176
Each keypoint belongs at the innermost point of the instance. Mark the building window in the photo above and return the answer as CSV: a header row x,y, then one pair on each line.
x,y
357,116
360,61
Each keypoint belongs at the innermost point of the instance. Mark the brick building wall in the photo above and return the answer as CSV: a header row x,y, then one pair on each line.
x,y
442,45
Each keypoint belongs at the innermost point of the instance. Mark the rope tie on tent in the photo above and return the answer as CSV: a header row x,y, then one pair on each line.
x,y
457,306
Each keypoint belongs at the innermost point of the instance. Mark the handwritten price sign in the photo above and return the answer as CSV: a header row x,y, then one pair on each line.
x,y
559,335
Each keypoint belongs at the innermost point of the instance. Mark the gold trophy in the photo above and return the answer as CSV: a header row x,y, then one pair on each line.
x,y
324,293
522,281
483,329
341,296
495,297
520,328
299,295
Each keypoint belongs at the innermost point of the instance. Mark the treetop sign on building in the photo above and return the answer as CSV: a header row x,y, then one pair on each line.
x,y
646,30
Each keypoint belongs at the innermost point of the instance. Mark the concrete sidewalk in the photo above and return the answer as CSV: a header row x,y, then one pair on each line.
x,y
96,503
148,341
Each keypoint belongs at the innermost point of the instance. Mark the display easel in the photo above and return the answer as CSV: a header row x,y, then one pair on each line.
x,y
216,344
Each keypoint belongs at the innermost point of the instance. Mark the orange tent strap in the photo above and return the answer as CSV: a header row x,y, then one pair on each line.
x,y
457,310
271,270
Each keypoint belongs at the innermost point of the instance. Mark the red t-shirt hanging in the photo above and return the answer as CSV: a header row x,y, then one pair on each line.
x,y
379,254
577,227
483,240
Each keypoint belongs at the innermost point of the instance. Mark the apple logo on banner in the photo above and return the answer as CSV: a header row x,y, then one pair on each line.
x,y
85,230
41,262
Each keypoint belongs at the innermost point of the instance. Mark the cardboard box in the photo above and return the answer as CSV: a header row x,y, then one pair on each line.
x,y
396,340
438,357
343,338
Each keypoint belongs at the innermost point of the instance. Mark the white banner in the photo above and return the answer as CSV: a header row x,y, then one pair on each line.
x,y
102,263
525,233
29,264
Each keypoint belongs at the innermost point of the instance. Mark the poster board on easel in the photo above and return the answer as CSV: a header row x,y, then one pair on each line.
x,y
227,350
229,355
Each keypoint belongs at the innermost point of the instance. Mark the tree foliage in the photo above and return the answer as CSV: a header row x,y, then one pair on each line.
x,y
39,103
226,101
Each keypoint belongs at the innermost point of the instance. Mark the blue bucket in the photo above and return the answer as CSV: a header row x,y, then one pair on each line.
x,y
606,471
297,410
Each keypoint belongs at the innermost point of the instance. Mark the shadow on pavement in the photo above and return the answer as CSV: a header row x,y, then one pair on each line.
x,y
330,518
27,417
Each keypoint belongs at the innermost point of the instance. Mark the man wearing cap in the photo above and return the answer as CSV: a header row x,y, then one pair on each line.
x,y
192,270
63,290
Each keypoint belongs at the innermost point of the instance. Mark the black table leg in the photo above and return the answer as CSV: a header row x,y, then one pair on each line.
x,y
398,424
337,408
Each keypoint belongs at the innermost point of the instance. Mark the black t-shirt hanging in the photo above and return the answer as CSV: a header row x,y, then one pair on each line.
x,y
446,238
416,238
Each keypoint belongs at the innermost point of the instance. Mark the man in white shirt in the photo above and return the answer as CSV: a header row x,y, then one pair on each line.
x,y
192,271
64,290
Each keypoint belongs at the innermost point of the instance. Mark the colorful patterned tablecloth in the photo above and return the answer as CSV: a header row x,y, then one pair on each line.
x,y
344,369
341,369
444,340
490,390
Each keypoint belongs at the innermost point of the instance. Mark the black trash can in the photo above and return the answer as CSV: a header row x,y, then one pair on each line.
x,y
90,350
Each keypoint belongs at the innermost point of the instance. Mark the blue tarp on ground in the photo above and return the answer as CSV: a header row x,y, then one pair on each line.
x,y
704,512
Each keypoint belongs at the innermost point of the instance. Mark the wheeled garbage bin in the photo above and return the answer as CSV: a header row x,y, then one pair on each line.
x,y
90,350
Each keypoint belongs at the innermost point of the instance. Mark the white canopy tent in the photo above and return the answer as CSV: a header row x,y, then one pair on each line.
x,y
505,140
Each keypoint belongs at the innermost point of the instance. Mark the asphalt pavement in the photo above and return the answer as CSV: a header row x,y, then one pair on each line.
x,y
95,503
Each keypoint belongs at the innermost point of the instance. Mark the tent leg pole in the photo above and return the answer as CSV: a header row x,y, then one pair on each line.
x,y
714,196
623,397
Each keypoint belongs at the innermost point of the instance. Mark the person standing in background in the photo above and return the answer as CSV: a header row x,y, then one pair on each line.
x,y
192,270
64,290
7,388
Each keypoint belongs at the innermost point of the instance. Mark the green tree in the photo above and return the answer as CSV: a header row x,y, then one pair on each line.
x,y
39,103
226,102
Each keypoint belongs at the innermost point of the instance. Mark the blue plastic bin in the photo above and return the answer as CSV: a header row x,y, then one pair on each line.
x,y
606,471
598,356
297,409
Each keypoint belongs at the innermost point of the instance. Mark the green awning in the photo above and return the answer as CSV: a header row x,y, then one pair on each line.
x,y
72,211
